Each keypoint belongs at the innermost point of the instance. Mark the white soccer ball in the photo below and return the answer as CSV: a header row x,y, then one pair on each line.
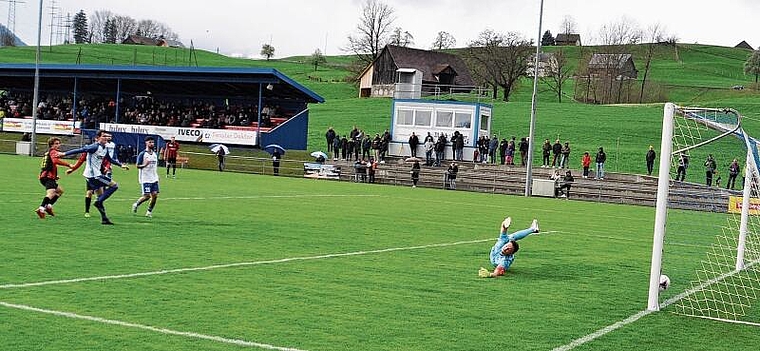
x,y
664,282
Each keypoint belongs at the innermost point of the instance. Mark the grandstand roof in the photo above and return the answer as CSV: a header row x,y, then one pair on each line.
x,y
211,82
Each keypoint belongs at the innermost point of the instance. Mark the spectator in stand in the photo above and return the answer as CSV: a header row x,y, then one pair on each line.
x,y
452,175
683,164
546,150
567,182
414,141
523,151
503,151
344,148
710,167
557,151
733,171
585,163
429,149
371,169
565,155
651,155
336,147
493,145
601,158
415,173
511,152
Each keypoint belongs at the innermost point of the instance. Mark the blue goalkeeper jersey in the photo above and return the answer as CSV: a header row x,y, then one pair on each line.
x,y
499,259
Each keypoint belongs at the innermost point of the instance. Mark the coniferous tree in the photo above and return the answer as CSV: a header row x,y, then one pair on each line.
x,y
110,32
547,39
81,33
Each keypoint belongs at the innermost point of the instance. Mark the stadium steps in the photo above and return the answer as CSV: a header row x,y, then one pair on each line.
x,y
622,188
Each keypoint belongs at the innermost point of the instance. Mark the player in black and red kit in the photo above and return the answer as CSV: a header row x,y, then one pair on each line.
x,y
170,155
49,177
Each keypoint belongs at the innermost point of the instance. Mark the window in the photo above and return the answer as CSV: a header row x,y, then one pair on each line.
x,y
404,117
422,118
463,120
443,118
484,119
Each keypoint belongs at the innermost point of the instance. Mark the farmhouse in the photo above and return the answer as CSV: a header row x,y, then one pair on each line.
x,y
547,64
620,66
568,40
437,69
744,45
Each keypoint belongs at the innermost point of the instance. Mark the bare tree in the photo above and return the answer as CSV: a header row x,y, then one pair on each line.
x,y
98,22
400,37
373,28
654,37
624,31
568,25
499,60
125,26
443,40
558,73
153,29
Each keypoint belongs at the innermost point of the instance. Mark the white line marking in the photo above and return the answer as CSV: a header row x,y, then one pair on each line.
x,y
220,339
601,332
238,264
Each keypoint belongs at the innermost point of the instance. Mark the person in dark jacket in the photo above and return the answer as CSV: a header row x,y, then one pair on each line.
x,y
451,174
566,183
557,151
601,157
415,173
651,155
414,141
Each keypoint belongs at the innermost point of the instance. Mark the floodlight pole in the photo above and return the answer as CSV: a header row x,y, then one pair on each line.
x,y
36,99
534,100
258,123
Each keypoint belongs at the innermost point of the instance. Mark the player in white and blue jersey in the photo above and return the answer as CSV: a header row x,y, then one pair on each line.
x,y
97,154
147,164
503,251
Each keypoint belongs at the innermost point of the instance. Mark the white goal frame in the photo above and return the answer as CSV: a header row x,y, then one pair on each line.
x,y
663,183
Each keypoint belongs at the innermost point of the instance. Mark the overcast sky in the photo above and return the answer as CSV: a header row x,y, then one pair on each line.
x,y
299,27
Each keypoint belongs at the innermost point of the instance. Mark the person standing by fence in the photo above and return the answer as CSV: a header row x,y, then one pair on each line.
x,y
651,155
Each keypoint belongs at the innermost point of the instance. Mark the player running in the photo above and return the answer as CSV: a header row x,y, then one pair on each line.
x,y
49,177
503,251
96,154
170,155
105,169
147,164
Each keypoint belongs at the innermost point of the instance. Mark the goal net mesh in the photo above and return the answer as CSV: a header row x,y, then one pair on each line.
x,y
704,220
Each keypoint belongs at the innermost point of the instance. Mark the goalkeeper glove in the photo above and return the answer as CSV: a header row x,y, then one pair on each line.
x,y
483,273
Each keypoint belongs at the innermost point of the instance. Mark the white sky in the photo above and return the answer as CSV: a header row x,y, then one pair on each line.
x,y
298,27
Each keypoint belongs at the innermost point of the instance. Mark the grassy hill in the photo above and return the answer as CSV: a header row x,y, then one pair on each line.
x,y
695,75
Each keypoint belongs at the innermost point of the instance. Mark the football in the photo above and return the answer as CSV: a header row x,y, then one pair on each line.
x,y
664,282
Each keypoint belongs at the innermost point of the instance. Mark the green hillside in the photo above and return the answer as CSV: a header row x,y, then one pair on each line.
x,y
695,75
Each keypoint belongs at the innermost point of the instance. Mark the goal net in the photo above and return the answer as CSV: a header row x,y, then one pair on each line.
x,y
707,222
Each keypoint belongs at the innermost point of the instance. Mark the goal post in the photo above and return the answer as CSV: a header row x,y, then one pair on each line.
x,y
725,284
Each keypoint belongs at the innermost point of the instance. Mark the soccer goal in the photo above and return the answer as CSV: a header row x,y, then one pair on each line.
x,y
712,246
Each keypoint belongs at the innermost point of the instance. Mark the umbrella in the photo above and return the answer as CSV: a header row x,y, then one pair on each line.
x,y
317,154
215,148
412,159
271,147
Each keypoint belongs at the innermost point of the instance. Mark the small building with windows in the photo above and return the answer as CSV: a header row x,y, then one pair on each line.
x,y
565,39
471,119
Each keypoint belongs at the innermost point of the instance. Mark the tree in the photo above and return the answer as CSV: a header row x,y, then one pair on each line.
x,y
110,32
373,28
752,66
155,30
568,25
317,59
98,22
499,60
399,37
547,39
267,51
443,40
655,36
624,31
558,73
80,27
125,26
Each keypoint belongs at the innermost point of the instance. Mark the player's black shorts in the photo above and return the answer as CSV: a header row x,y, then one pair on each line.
x,y
171,160
49,183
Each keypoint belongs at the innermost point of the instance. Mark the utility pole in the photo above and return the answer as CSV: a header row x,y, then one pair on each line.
x,y
53,14
11,24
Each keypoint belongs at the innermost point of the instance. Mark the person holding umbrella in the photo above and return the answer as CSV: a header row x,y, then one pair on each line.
x,y
221,151
277,151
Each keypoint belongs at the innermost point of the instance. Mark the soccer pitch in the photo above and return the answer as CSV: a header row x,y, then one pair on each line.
x,y
236,261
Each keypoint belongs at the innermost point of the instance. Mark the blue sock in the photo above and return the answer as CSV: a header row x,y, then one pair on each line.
x,y
108,192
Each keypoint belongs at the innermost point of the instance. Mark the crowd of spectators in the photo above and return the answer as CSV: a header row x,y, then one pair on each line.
x,y
145,110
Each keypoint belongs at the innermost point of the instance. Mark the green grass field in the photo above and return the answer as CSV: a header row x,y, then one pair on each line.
x,y
233,261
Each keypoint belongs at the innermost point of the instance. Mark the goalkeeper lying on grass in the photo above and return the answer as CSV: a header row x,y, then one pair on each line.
x,y
503,252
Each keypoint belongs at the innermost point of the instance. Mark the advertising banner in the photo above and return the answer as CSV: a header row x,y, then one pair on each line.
x,y
735,205
24,125
198,135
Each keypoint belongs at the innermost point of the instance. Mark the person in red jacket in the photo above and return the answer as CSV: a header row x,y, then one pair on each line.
x,y
586,163
49,177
